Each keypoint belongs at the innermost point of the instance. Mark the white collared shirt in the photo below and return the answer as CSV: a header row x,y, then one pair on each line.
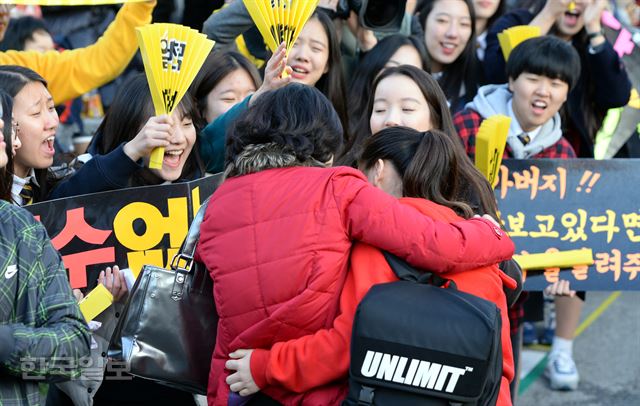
x,y
18,185
515,125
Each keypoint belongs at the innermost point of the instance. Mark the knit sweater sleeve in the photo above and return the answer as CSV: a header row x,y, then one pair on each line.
x,y
74,72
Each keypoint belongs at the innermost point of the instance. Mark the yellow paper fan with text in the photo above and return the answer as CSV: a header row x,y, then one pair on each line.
x,y
172,56
280,20
560,259
512,37
490,143
67,2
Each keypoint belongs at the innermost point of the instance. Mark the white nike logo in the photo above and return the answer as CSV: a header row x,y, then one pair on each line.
x,y
11,270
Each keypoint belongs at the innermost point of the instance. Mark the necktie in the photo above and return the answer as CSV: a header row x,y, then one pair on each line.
x,y
27,194
524,137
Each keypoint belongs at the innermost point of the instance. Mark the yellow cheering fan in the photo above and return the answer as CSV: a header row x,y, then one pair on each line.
x,y
512,37
172,56
490,143
95,302
67,2
560,259
280,20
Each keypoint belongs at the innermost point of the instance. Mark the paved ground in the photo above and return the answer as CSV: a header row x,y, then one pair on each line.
x,y
607,354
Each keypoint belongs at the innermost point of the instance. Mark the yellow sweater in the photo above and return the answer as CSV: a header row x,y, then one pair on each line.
x,y
75,72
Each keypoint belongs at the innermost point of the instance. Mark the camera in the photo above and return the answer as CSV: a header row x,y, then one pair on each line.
x,y
377,15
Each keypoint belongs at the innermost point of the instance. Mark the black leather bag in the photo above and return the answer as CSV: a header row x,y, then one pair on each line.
x,y
415,343
167,331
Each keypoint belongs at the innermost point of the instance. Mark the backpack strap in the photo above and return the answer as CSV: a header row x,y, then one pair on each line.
x,y
406,272
366,395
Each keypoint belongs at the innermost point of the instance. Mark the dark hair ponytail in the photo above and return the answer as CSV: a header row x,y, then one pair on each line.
x,y
432,167
433,173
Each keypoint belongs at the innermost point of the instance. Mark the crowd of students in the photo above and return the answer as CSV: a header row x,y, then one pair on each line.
x,y
314,162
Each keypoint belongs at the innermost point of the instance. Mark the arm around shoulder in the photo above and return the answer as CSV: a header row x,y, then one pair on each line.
x,y
378,219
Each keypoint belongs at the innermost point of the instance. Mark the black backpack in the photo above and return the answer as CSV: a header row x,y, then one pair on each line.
x,y
416,343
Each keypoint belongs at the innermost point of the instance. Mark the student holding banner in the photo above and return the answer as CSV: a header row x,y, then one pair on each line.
x,y
72,73
541,73
42,333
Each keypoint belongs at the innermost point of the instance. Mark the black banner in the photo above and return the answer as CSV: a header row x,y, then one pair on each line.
x,y
550,204
128,227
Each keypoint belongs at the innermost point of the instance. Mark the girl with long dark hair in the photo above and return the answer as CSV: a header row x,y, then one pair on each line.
x,y
394,50
450,36
124,140
409,97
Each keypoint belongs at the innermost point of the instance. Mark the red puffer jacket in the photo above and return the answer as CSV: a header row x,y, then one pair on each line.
x,y
277,244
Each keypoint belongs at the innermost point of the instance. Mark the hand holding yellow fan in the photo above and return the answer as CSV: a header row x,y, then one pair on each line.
x,y
280,20
172,56
491,140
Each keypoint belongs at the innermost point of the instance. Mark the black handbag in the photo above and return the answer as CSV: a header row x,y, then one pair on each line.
x,y
167,331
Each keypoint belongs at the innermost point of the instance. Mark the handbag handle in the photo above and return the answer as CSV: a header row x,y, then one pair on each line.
x,y
188,248
186,253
